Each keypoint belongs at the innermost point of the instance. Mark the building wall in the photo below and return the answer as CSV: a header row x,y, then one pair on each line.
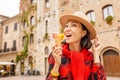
x,y
10,54
108,34
2,18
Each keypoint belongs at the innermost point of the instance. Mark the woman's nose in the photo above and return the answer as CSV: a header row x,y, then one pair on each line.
x,y
68,28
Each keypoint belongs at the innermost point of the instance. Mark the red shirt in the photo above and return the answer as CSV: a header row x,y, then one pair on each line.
x,y
92,71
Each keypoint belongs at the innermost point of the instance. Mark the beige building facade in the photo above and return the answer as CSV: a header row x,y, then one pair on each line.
x,y
10,42
42,20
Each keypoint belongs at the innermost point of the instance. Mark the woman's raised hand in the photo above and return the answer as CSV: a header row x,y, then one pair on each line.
x,y
95,48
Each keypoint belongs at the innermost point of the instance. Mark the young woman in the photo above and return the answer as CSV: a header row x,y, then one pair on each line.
x,y
73,61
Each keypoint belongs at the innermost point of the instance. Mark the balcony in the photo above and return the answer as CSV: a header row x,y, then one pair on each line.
x,y
13,49
8,50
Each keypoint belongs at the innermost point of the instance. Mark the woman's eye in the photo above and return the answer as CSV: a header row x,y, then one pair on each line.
x,y
74,25
66,26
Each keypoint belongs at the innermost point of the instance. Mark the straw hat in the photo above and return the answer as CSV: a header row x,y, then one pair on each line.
x,y
78,16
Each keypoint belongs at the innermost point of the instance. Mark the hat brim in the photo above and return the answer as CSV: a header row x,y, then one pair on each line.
x,y
64,19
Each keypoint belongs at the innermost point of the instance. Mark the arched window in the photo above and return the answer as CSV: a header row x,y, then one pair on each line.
x,y
91,15
31,38
32,20
23,41
30,64
5,46
46,26
24,24
47,3
46,50
107,11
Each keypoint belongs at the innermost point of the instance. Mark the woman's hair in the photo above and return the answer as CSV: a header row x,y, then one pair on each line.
x,y
85,41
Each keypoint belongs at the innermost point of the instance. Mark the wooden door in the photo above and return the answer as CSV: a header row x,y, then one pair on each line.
x,y
111,63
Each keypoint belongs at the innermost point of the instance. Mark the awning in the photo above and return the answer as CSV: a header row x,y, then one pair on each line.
x,y
7,63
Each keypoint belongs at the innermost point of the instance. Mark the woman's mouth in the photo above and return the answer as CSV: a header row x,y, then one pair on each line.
x,y
68,36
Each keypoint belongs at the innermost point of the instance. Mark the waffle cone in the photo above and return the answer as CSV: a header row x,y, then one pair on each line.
x,y
58,39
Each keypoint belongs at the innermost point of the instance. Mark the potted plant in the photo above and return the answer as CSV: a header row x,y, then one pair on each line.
x,y
92,22
109,19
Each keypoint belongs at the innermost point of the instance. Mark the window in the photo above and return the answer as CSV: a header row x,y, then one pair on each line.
x,y
15,26
5,46
14,45
6,29
32,20
31,38
107,11
91,15
47,3
24,24
46,25
46,50
23,41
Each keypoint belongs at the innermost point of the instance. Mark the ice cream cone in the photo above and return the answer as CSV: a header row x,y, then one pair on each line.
x,y
58,38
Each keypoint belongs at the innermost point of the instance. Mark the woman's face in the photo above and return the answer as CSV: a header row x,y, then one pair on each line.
x,y
73,32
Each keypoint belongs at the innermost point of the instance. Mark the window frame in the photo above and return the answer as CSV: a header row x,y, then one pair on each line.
x,y
15,26
6,29
108,12
92,15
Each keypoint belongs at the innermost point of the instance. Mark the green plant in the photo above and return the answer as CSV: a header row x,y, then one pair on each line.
x,y
17,58
92,22
109,19
32,27
46,36
24,53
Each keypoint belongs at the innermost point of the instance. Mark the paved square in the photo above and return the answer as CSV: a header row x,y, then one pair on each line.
x,y
40,78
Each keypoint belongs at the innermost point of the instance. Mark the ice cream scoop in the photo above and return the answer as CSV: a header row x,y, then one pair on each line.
x,y
58,38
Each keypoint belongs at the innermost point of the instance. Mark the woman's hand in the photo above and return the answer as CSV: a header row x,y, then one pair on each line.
x,y
57,53
96,47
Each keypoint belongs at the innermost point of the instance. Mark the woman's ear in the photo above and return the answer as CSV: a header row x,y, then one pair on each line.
x,y
84,33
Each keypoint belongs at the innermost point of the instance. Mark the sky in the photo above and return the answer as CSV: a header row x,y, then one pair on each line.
x,y
9,7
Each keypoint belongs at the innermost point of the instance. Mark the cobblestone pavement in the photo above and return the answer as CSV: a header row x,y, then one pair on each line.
x,y
40,78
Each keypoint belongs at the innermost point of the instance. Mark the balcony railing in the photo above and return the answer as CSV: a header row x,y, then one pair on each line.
x,y
13,49
8,50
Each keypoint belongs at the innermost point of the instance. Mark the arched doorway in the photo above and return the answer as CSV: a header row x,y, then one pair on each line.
x,y
46,50
111,63
30,64
12,68
46,65
22,67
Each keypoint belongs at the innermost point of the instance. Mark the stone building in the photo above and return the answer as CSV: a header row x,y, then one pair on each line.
x,y
10,36
2,18
104,16
43,19
28,23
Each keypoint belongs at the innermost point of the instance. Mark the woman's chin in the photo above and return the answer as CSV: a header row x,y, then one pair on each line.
x,y
68,41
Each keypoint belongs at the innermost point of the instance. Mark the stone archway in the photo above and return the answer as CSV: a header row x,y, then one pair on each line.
x,y
30,63
12,68
111,62
46,65
22,67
